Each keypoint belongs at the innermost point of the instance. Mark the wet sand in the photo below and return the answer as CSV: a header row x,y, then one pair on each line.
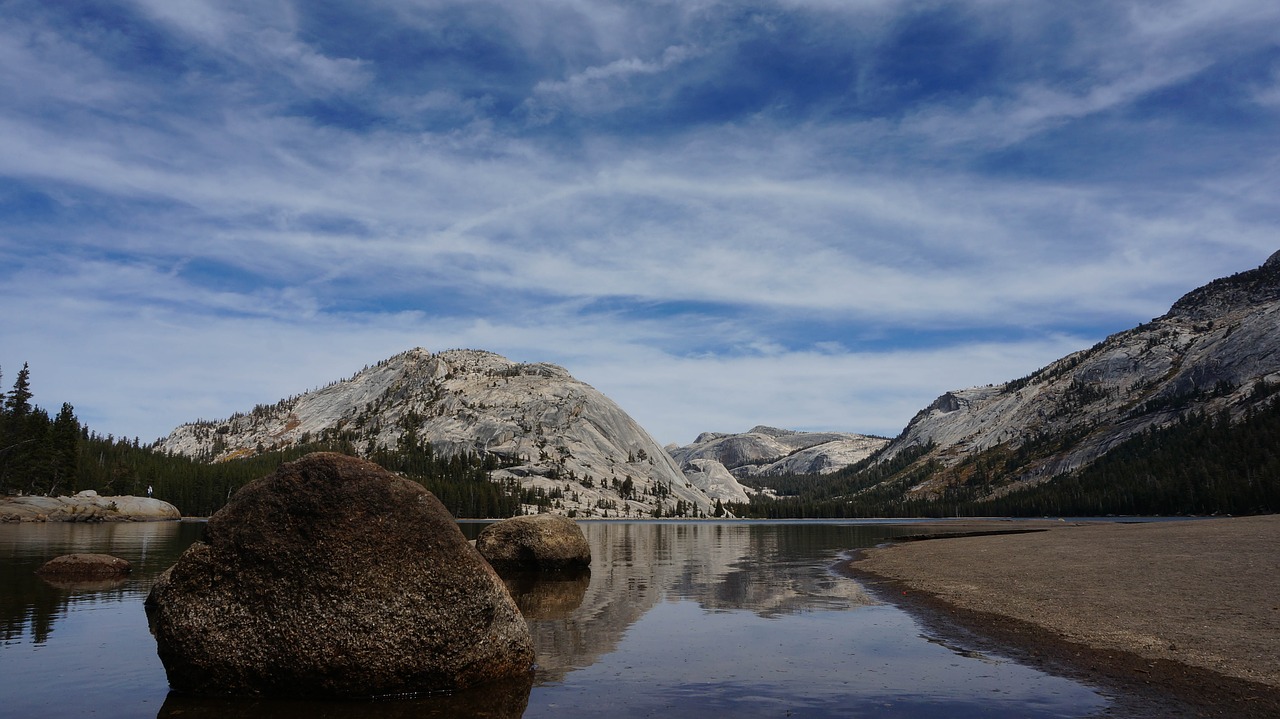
x,y
1182,618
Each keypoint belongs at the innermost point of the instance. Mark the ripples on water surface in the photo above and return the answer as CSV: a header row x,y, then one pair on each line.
x,y
676,619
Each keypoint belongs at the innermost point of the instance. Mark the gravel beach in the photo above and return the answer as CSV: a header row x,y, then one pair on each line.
x,y
1188,610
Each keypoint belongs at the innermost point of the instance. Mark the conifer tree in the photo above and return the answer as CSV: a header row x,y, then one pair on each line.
x,y
20,430
18,403
64,444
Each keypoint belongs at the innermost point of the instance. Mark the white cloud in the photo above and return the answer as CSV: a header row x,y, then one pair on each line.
x,y
262,36
1003,122
238,252
143,365
601,89
579,82
210,22
1176,23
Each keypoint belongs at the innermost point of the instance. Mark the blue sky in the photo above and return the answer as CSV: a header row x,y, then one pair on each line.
x,y
805,213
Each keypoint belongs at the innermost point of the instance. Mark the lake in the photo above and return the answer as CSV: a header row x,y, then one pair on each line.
x,y
676,619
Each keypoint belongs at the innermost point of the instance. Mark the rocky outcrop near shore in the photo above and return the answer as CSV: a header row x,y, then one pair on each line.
x,y
86,506
334,578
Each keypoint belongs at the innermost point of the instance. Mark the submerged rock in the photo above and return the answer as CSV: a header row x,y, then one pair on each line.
x,y
334,577
85,566
536,543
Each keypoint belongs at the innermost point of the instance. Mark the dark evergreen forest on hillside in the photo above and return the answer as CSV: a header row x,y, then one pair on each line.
x,y
1201,465
58,456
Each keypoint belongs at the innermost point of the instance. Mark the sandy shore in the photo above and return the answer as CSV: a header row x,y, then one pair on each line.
x,y
1191,608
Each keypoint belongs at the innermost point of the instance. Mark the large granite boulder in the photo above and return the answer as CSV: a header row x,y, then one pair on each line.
x,y
334,577
536,543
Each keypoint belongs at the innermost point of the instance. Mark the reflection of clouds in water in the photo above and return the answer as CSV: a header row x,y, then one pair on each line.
x,y
680,660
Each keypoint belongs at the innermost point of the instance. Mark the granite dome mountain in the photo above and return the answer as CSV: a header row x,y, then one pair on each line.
x,y
551,432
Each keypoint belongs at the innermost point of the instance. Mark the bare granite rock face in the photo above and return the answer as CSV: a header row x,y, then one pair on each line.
x,y
1217,352
716,460
86,506
535,543
713,478
85,566
552,432
333,577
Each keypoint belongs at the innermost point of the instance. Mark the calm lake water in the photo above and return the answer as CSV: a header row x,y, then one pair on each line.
x,y
676,619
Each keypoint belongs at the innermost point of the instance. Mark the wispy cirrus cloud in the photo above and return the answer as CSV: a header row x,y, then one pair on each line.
x,y
813,214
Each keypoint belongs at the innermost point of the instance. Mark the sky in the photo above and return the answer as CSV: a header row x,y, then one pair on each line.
x,y
810,214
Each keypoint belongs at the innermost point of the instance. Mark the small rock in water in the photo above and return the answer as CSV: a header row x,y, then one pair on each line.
x,y
334,577
536,543
86,566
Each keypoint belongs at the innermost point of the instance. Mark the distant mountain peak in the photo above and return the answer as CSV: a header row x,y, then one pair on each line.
x,y
722,458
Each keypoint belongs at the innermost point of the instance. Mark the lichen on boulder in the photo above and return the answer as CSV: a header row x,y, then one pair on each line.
x,y
535,543
334,577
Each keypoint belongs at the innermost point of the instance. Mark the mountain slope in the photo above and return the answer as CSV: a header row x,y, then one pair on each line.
x,y
1216,352
554,434
719,459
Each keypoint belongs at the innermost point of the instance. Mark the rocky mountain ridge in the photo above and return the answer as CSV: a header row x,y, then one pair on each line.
x,y
552,432
1216,351
724,458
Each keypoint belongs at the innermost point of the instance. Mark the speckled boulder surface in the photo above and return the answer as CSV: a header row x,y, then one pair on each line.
x,y
334,577
536,543
86,566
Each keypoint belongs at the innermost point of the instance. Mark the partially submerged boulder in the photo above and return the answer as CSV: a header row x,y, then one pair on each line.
x,y
85,566
334,577
535,543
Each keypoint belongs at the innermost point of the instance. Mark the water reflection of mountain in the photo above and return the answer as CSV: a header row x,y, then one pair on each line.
x,y
768,569
29,604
